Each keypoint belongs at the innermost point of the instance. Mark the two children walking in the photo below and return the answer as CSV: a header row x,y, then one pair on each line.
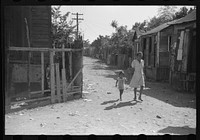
x,y
137,79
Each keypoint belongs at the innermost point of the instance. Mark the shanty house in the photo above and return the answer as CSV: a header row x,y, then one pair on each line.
x,y
31,64
25,26
183,53
155,45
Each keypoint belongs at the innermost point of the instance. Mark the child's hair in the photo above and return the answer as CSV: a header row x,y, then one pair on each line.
x,y
121,72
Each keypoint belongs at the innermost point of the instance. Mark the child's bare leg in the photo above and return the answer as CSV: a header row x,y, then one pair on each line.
x,y
135,90
141,90
121,92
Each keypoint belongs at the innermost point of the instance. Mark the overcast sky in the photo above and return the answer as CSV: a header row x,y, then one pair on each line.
x,y
97,19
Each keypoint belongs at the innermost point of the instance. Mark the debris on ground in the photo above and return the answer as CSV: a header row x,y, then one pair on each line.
x,y
109,92
98,119
57,117
85,92
42,124
31,119
158,117
15,106
9,117
87,100
73,114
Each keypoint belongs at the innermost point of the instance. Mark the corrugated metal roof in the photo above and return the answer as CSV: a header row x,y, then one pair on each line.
x,y
187,18
159,28
190,17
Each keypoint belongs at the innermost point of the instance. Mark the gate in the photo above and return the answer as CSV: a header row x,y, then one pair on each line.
x,y
60,87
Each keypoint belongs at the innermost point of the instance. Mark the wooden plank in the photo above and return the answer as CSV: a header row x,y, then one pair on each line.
x,y
70,65
157,49
11,48
42,71
58,82
30,100
36,92
52,78
74,79
64,84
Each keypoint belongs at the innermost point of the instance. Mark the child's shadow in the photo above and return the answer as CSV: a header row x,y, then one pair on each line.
x,y
111,101
121,104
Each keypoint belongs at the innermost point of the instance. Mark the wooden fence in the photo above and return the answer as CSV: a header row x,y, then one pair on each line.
x,y
59,87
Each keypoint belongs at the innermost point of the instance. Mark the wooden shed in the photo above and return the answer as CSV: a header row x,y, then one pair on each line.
x,y
183,53
155,45
31,64
26,26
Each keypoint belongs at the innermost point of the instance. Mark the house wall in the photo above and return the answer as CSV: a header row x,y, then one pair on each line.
x,y
181,69
164,47
39,25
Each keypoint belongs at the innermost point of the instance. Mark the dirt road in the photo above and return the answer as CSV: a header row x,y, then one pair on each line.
x,y
163,111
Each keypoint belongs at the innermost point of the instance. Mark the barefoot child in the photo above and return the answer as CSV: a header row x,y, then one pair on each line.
x,y
121,82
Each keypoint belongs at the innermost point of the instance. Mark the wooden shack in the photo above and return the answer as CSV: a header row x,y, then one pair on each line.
x,y
183,53
26,26
30,57
155,45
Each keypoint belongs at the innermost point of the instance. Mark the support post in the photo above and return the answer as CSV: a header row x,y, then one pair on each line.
x,y
58,83
63,77
52,77
70,65
42,72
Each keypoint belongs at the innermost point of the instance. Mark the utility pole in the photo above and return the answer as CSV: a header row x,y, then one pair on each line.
x,y
77,19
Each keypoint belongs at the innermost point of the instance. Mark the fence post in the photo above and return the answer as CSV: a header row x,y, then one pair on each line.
x,y
58,96
42,72
63,77
52,77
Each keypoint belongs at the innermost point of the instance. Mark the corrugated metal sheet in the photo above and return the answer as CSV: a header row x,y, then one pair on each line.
x,y
159,28
188,18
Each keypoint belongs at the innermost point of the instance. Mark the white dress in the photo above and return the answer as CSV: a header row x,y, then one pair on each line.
x,y
138,76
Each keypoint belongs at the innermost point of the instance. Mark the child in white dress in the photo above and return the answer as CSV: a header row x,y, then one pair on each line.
x,y
121,82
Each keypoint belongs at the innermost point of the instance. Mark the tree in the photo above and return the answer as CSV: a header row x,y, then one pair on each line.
x,y
181,13
86,43
114,24
61,27
167,12
139,25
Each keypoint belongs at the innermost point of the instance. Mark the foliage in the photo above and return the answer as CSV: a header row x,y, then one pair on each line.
x,y
182,12
114,24
61,27
167,12
86,43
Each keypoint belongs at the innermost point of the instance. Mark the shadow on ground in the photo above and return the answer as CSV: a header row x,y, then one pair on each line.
x,y
159,90
185,130
163,92
121,104
108,102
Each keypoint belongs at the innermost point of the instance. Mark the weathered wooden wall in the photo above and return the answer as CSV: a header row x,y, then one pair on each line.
x,y
39,25
181,69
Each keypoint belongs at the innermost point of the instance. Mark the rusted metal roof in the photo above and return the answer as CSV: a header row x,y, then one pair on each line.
x,y
188,18
159,28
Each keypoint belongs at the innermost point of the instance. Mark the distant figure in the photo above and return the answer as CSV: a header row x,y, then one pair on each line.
x,y
121,82
138,76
